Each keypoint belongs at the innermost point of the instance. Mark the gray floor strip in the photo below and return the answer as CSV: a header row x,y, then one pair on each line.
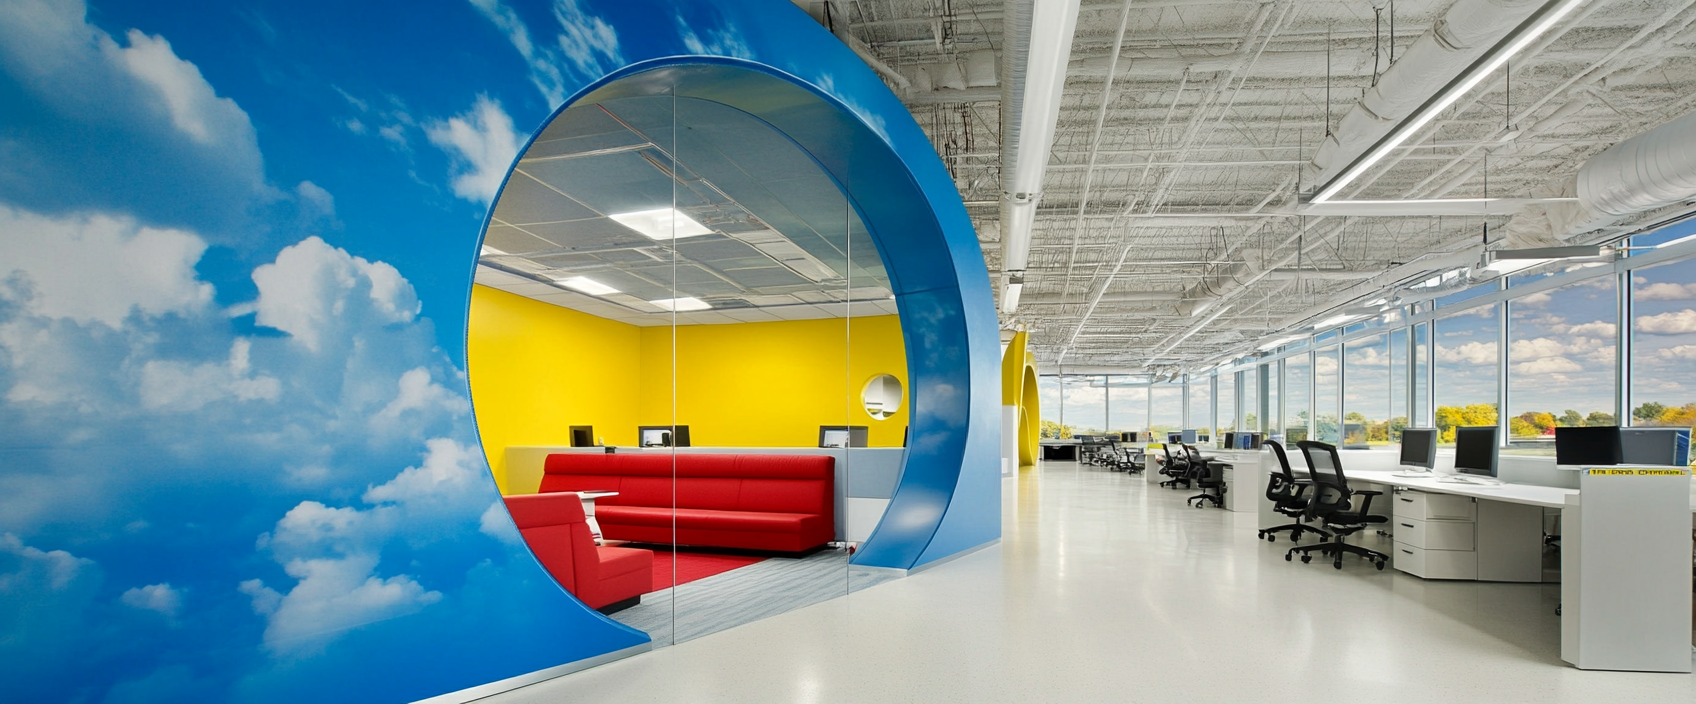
x,y
746,594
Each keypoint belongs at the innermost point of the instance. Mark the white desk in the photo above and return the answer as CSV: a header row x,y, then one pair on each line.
x,y
1528,494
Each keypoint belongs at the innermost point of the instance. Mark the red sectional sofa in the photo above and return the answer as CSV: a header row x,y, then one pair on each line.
x,y
556,530
759,502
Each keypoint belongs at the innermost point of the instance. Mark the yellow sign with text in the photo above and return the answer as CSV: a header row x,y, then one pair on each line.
x,y
1639,472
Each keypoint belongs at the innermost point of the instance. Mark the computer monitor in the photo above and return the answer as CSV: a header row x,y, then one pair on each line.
x,y
1419,447
1588,447
1174,438
1354,436
582,436
1189,437
1475,450
1249,441
663,435
842,435
1230,441
1655,446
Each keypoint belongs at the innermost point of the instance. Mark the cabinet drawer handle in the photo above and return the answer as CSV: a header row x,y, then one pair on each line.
x,y
1410,552
1408,500
1407,525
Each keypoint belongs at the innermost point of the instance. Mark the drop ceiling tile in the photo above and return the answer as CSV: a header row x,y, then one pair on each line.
x,y
526,201
512,240
750,315
490,276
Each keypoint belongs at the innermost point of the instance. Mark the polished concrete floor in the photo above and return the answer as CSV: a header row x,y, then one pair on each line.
x,y
1108,589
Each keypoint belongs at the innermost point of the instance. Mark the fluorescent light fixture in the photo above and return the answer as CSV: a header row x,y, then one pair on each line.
x,y
1679,241
682,305
661,223
586,285
1508,261
1010,298
1280,342
1334,320
1430,111
1509,266
1377,301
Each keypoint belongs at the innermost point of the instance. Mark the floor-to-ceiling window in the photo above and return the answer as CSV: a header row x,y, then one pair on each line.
x,y
1466,345
1366,402
1201,404
1127,405
1298,397
1663,345
1562,359
1049,396
1327,390
1225,417
1086,404
1165,409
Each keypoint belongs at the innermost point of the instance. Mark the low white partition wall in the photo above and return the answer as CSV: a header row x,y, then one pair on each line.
x,y
865,476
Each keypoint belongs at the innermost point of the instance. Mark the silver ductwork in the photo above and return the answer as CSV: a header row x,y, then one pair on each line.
x,y
1650,171
1465,32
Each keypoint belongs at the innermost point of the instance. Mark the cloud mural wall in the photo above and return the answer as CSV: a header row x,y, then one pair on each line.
x,y
238,460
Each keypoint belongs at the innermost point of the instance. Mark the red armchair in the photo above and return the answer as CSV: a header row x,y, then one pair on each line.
x,y
607,579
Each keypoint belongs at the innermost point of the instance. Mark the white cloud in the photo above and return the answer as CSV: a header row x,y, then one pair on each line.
x,y
309,288
587,40
161,598
1680,352
1673,323
1468,353
543,69
98,268
718,42
59,568
318,201
419,392
1594,329
497,523
1548,365
1535,299
333,595
484,145
1368,357
446,476
180,386
194,107
1524,350
1666,292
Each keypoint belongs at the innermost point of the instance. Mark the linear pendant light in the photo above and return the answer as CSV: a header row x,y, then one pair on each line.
x,y
1538,25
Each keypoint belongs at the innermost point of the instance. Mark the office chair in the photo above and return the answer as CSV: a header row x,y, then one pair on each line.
x,y
1289,497
1206,475
1330,504
1174,468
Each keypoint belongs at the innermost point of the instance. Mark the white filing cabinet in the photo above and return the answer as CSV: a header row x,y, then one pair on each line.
x,y
1436,535
1445,536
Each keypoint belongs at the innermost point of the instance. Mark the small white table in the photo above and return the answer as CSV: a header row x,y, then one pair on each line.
x,y
588,498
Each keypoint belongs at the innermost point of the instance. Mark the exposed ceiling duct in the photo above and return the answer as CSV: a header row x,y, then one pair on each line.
x,y
1036,45
1460,37
1644,173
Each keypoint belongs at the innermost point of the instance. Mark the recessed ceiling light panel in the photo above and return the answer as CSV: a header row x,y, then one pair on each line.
x,y
661,223
682,305
587,285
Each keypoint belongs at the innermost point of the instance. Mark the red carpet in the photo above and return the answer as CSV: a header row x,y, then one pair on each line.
x,y
695,565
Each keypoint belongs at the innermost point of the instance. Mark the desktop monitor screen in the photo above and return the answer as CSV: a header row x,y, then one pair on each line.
x,y
1174,438
1662,446
843,435
1231,441
1419,447
1475,450
1591,446
1189,437
582,436
656,437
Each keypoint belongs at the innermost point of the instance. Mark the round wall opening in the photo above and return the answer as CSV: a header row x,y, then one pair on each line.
x,y
882,396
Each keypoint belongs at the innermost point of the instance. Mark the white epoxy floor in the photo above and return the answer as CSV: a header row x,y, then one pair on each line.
x,y
1109,589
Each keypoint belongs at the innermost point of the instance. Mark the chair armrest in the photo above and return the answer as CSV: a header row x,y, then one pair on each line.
x,y
1366,506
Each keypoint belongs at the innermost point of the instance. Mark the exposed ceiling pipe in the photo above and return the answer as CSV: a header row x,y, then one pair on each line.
x,y
1036,44
1465,32
1126,297
1644,173
1323,274
826,13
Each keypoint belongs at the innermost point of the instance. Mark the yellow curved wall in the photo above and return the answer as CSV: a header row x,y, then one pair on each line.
x,y
1018,388
536,369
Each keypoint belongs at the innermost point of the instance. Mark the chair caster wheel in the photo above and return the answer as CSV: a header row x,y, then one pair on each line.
x,y
1306,559
1271,538
1380,566
1287,557
1338,564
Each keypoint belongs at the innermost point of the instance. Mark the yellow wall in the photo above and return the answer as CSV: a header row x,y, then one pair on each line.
x,y
536,369
774,384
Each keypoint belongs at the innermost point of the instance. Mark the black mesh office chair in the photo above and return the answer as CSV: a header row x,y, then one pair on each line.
x,y
1289,497
1332,505
1206,475
1174,467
